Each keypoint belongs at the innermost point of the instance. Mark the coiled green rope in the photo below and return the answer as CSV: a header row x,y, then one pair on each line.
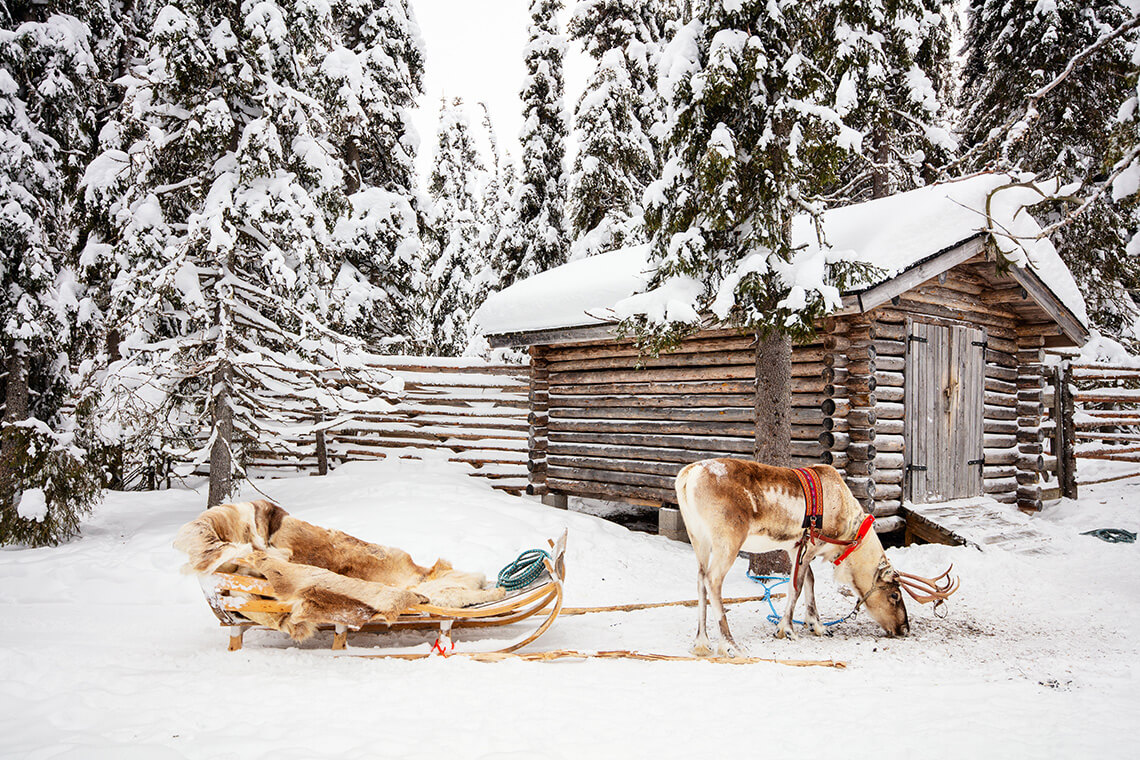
x,y
524,570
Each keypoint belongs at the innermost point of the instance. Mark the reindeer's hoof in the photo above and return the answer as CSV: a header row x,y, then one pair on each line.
x,y
727,649
785,631
701,649
816,628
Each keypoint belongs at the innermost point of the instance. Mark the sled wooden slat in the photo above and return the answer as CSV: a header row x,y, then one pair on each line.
x,y
244,584
267,606
230,595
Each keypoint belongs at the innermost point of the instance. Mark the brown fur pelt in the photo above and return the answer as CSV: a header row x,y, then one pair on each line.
x,y
328,576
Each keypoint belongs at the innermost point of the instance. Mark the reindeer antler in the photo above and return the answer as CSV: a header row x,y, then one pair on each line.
x,y
924,590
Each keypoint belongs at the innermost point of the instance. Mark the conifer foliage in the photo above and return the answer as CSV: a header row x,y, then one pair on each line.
x,y
217,192
890,61
1013,50
459,277
540,240
617,156
752,130
49,81
374,74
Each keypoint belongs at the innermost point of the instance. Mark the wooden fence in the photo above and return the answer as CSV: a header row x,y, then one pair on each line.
x,y
471,411
1094,414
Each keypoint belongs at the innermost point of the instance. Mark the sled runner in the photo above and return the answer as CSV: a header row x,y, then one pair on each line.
x,y
229,596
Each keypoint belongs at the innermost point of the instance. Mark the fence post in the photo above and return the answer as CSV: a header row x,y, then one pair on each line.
x,y
539,427
1066,431
322,449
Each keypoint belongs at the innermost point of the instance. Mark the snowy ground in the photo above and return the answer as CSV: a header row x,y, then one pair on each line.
x,y
106,650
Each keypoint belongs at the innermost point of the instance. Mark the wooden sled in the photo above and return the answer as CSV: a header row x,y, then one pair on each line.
x,y
230,595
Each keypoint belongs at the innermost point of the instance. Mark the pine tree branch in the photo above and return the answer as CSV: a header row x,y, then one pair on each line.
x,y
1088,201
1031,114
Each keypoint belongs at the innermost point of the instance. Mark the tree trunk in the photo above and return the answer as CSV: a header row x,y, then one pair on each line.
x,y
774,400
352,158
221,458
15,410
881,175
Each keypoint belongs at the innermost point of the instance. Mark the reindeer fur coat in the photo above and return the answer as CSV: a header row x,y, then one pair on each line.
x,y
329,577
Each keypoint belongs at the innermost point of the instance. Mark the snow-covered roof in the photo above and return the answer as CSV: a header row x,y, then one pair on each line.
x,y
894,233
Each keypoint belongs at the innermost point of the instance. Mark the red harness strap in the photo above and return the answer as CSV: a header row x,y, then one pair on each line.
x,y
813,522
864,529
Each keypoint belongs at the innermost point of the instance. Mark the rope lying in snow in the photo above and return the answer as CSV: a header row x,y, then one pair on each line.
x,y
1113,535
657,605
562,654
777,581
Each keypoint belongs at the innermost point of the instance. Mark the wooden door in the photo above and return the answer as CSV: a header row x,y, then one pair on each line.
x,y
945,397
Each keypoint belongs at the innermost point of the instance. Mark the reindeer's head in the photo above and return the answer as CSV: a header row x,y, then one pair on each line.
x,y
880,588
883,599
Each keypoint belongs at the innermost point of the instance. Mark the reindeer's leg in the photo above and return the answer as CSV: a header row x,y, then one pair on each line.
x,y
720,561
811,618
796,585
701,646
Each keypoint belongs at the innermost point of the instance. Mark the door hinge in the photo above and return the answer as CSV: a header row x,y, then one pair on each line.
x,y
973,462
983,343
916,339
921,467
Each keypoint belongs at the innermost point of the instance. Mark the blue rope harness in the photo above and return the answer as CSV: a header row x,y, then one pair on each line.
x,y
776,581
524,570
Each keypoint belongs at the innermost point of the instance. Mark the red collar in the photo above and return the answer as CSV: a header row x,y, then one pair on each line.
x,y
864,529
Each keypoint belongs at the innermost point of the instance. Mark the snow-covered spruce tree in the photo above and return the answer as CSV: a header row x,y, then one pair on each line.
x,y
1013,49
375,75
617,157
890,60
495,201
216,193
510,243
49,88
1125,155
458,276
541,192
753,133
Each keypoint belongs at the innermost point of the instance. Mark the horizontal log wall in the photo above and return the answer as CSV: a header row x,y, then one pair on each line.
x,y
622,425
473,411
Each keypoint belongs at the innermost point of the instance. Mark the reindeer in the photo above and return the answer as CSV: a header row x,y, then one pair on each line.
x,y
731,505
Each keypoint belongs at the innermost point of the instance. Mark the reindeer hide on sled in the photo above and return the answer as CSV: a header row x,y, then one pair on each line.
x,y
329,577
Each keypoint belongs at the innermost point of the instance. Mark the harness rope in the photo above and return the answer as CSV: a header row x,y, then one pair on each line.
x,y
778,580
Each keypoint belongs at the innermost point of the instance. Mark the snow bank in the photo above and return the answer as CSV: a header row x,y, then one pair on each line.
x,y
107,650
893,233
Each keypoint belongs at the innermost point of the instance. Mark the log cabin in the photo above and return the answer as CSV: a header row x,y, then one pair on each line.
x,y
924,385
